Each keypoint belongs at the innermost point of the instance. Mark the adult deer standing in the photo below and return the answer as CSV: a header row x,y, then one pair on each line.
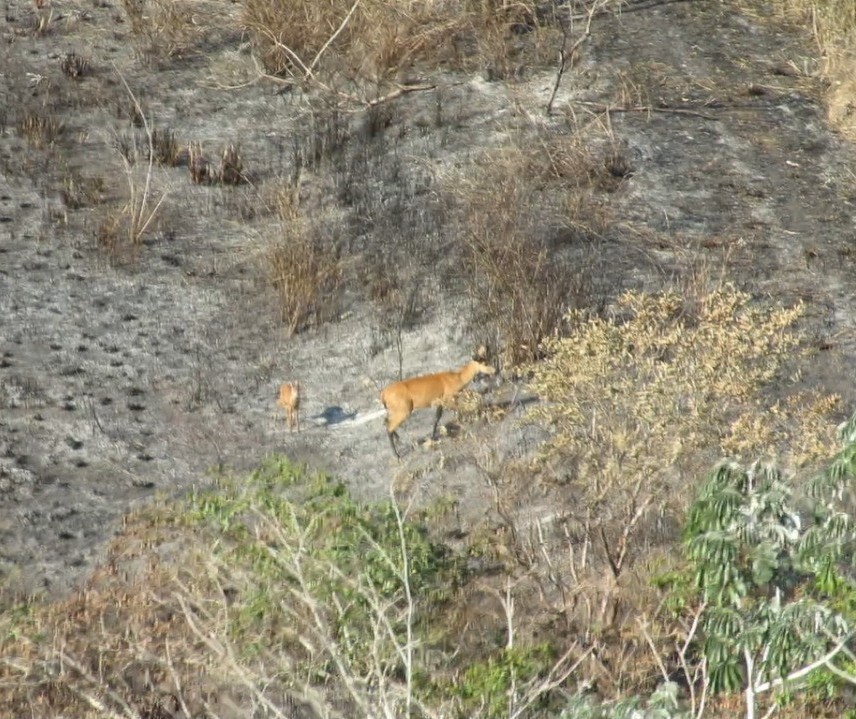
x,y
430,390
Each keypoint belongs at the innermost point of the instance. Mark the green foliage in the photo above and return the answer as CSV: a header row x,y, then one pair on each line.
x,y
678,590
768,566
489,686
16,621
338,584
664,703
733,551
828,543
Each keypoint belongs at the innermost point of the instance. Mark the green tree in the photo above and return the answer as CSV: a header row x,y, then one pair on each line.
x,y
770,567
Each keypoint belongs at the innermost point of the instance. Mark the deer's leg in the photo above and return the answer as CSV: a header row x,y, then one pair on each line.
x,y
437,421
392,437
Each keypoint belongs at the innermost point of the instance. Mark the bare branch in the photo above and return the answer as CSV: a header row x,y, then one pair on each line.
x,y
96,703
642,622
566,57
825,660
333,36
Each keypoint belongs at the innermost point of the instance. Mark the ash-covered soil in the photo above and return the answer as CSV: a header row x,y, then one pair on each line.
x,y
123,377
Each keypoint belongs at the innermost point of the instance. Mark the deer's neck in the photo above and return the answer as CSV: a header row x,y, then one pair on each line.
x,y
466,374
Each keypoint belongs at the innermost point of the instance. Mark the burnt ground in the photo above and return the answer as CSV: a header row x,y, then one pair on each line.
x,y
123,378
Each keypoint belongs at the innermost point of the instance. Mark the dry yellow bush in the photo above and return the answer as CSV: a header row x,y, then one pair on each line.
x,y
641,404
659,389
776,429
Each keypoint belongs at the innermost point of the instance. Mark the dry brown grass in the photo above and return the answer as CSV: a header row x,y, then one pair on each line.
x,y
525,212
283,198
43,20
124,227
112,649
163,28
832,24
74,65
204,171
80,191
40,130
378,40
305,270
231,170
165,147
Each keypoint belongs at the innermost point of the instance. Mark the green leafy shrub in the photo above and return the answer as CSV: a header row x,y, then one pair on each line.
x,y
771,566
341,596
664,703
489,688
278,589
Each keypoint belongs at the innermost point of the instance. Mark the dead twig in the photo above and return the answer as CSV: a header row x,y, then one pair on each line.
x,y
603,107
332,37
354,99
566,57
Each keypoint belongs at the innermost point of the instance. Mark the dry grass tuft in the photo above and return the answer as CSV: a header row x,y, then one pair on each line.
x,y
74,66
378,40
163,28
832,24
296,37
471,408
43,22
284,198
199,165
203,171
78,191
841,98
165,147
305,270
525,212
108,236
116,647
40,130
231,166
125,229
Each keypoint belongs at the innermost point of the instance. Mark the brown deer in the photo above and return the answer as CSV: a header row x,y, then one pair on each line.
x,y
430,390
289,402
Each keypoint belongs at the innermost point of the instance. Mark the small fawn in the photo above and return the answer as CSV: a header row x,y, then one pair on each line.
x,y
289,402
